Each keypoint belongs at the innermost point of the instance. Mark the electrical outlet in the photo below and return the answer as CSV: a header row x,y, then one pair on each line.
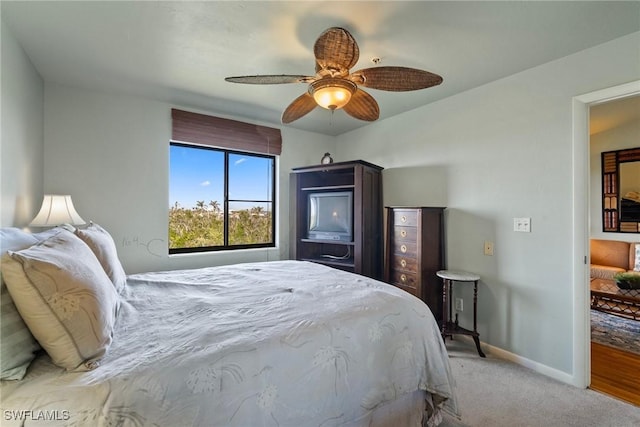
x,y
459,304
488,248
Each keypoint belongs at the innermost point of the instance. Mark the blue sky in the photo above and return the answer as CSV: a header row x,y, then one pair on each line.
x,y
198,174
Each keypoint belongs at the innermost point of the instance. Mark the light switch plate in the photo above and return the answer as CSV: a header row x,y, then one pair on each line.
x,y
522,225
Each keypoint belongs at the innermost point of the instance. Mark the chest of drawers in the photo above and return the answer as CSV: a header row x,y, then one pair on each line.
x,y
414,252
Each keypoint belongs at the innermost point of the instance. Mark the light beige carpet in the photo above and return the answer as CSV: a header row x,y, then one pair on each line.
x,y
493,393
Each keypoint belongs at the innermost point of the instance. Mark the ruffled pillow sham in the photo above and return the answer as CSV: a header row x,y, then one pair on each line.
x,y
65,298
104,248
17,345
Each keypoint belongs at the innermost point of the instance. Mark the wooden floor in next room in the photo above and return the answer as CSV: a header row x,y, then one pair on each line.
x,y
615,372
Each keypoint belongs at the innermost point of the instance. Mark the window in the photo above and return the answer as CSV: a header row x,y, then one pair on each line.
x,y
220,199
222,183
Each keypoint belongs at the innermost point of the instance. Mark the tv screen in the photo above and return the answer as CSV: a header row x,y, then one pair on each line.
x,y
331,216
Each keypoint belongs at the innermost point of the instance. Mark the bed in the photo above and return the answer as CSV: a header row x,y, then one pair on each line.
x,y
280,343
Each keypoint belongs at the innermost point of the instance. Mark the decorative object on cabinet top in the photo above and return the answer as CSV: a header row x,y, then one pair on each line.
x,y
326,159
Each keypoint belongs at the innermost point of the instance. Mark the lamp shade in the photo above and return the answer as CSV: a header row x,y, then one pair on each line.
x,y
56,209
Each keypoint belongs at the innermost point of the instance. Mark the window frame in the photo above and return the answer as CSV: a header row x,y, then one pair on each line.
x,y
226,246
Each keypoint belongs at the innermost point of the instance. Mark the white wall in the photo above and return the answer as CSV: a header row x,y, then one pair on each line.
x,y
111,153
493,153
496,152
21,150
627,136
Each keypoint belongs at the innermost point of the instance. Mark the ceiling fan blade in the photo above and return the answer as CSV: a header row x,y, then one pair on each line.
x,y
395,79
270,79
301,106
362,106
336,49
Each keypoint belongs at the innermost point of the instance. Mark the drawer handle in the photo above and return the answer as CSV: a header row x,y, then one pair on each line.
x,y
403,233
403,278
403,262
403,248
403,218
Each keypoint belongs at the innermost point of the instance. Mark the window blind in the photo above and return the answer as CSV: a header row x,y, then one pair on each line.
x,y
231,134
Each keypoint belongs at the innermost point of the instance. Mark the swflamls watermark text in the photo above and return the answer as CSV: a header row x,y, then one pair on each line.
x,y
36,415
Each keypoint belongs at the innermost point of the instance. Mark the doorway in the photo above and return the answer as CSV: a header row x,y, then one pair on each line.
x,y
582,220
615,356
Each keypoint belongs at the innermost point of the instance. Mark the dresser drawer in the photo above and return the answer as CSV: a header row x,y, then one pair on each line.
x,y
405,248
412,291
404,280
405,234
404,263
402,217
414,247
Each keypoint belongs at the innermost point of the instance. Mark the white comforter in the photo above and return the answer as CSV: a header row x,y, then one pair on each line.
x,y
283,343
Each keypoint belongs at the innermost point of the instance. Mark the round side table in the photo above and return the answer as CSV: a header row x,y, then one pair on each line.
x,y
449,326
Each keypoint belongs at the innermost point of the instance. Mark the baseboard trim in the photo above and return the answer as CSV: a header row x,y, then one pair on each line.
x,y
523,361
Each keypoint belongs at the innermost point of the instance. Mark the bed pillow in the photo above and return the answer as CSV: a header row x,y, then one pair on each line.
x,y
636,265
43,235
104,248
65,298
17,345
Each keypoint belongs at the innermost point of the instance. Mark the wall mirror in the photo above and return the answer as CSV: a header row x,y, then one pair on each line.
x,y
621,191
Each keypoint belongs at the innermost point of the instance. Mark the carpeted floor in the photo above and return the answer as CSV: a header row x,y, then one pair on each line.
x,y
615,331
493,392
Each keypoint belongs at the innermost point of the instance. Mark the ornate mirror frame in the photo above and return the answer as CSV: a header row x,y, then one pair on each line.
x,y
611,199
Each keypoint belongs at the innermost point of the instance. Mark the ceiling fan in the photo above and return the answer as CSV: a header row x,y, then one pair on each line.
x,y
334,87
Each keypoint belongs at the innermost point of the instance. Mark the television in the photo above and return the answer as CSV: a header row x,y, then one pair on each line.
x,y
330,216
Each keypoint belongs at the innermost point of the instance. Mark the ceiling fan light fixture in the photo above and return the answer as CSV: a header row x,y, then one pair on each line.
x,y
332,93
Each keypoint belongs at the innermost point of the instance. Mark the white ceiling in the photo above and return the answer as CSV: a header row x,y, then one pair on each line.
x,y
180,52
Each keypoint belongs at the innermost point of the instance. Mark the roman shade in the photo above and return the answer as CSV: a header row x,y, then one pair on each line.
x,y
224,133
